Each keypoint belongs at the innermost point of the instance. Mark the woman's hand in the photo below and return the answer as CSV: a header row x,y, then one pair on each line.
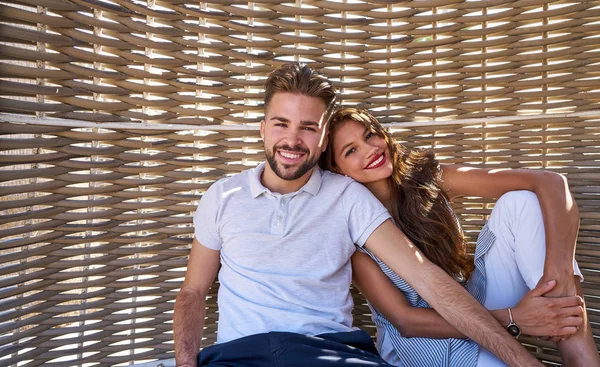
x,y
542,316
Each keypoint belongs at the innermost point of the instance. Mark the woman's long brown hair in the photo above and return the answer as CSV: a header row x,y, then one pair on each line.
x,y
422,209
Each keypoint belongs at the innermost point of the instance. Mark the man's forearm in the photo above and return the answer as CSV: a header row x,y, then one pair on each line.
x,y
445,295
455,304
188,324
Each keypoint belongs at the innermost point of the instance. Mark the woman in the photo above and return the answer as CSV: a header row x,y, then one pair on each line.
x,y
510,257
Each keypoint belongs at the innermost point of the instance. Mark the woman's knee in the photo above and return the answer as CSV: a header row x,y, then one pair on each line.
x,y
521,200
516,207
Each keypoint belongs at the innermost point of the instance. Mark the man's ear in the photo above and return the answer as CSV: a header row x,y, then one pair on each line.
x,y
262,129
324,137
325,142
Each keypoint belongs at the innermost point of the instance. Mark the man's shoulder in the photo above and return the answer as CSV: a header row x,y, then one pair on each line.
x,y
342,183
238,181
330,179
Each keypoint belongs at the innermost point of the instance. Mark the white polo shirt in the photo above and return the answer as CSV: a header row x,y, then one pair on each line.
x,y
285,259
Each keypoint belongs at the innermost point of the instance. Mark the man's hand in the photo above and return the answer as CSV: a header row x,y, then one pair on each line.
x,y
565,282
538,315
565,287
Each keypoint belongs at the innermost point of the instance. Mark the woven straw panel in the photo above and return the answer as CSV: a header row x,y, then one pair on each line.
x,y
96,225
205,62
95,222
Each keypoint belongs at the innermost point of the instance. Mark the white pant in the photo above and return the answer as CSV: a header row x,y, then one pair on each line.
x,y
515,262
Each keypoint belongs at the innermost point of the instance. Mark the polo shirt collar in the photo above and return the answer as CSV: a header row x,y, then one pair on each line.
x,y
312,186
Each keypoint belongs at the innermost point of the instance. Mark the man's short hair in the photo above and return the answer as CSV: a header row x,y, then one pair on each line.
x,y
300,79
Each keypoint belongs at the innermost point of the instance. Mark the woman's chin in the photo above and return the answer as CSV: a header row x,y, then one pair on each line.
x,y
379,174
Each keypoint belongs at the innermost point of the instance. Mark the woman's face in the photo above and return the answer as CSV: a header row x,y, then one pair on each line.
x,y
361,154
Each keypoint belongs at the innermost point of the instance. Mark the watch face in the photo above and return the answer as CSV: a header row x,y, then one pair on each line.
x,y
514,330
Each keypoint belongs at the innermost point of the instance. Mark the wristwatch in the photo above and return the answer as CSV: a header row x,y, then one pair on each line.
x,y
513,328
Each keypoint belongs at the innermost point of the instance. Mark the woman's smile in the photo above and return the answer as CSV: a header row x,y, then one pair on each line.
x,y
377,162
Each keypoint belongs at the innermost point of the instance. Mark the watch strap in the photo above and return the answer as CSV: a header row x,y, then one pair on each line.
x,y
512,327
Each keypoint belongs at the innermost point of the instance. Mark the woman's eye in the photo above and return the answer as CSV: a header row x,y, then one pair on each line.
x,y
349,151
369,135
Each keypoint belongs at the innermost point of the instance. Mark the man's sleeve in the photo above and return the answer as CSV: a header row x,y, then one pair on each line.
x,y
364,212
206,228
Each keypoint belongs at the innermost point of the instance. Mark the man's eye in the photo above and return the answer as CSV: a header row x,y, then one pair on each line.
x,y
310,129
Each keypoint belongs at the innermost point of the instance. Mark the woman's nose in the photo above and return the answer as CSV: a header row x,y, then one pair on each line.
x,y
371,149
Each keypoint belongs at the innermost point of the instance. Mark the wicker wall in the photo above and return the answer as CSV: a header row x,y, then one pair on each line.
x,y
118,115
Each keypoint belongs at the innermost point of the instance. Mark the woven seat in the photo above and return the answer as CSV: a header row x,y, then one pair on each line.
x,y
116,116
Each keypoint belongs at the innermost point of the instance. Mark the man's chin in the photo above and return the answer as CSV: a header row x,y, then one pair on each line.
x,y
291,173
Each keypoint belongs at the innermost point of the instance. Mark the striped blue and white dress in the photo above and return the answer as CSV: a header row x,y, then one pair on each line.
x,y
425,352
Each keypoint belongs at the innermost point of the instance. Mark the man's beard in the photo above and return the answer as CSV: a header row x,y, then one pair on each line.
x,y
279,169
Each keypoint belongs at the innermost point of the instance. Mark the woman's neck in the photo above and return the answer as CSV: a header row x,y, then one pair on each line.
x,y
382,190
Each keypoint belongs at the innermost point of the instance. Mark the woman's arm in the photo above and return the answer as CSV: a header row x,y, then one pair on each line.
x,y
560,212
536,315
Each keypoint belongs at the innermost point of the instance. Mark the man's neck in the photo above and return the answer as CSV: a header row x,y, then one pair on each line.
x,y
275,183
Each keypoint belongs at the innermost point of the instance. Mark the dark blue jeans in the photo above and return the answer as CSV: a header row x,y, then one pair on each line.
x,y
281,349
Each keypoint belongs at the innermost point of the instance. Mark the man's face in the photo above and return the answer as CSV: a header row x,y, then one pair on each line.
x,y
293,134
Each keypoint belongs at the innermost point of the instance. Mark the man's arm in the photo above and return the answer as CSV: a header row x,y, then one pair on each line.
x,y
537,315
190,304
381,292
445,295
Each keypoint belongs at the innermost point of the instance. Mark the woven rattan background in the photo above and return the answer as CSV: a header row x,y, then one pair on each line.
x,y
158,99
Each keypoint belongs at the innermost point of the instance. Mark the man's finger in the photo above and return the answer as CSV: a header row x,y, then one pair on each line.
x,y
565,302
572,321
542,288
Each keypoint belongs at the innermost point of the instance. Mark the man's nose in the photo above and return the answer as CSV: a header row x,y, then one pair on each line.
x,y
292,137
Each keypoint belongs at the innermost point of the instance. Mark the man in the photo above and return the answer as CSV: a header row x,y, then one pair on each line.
x,y
283,234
